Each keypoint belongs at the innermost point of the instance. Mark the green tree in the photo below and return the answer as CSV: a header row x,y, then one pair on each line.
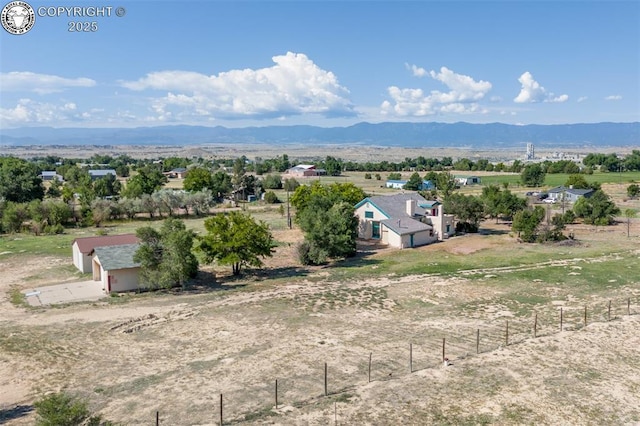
x,y
333,166
526,223
394,176
55,189
107,186
13,216
597,209
236,239
532,175
633,190
629,214
165,256
146,181
197,179
414,183
19,180
221,184
330,230
272,182
445,183
291,184
577,181
468,210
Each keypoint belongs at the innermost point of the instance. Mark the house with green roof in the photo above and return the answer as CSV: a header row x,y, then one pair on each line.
x,y
403,220
115,268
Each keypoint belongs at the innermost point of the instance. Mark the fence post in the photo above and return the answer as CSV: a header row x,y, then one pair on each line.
x,y
629,306
276,394
535,326
477,341
220,409
157,418
326,393
506,337
370,355
609,310
561,318
443,349
410,357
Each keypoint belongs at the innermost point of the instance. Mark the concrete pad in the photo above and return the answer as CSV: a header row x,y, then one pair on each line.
x,y
65,293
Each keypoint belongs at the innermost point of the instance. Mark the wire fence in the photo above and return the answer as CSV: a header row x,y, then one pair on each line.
x,y
429,347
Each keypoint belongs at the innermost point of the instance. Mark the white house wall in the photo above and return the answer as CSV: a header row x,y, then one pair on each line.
x,y
121,279
365,228
80,260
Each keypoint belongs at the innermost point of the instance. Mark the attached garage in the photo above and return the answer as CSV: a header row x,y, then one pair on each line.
x,y
115,268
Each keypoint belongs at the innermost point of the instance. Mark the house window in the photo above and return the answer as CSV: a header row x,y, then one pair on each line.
x,y
448,228
368,215
375,229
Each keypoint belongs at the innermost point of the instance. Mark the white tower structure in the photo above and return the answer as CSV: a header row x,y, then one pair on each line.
x,y
530,151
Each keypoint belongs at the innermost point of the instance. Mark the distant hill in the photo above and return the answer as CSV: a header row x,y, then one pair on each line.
x,y
492,135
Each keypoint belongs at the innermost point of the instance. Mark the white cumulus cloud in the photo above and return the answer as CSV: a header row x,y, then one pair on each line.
x,y
532,91
294,85
416,70
40,83
582,98
28,112
613,98
462,97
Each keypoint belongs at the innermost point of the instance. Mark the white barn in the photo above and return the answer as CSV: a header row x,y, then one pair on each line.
x,y
115,268
82,248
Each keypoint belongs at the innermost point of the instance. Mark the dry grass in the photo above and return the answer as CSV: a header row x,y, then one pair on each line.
x,y
177,352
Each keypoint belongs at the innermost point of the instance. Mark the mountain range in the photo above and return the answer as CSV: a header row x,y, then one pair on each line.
x,y
492,135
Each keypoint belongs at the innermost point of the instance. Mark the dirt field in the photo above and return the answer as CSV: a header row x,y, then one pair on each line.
x,y
176,353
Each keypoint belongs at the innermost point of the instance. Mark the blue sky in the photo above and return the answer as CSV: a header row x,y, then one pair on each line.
x,y
326,63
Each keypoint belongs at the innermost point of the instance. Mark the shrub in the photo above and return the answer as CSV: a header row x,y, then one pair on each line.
x,y
60,409
54,229
270,197
367,175
310,254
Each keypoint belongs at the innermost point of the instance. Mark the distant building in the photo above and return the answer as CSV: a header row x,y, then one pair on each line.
x,y
531,154
466,180
399,184
177,173
570,195
51,175
306,170
99,174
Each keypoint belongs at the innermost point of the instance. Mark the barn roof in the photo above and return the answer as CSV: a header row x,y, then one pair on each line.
x,y
87,244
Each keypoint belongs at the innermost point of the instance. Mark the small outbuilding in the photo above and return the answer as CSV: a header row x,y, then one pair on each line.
x,y
115,268
82,248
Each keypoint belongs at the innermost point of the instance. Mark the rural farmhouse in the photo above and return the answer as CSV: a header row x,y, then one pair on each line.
x,y
571,195
403,220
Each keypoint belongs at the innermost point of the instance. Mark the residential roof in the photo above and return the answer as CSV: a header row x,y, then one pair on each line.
x,y
574,191
49,173
304,166
88,244
395,206
405,226
396,181
117,257
102,172
179,170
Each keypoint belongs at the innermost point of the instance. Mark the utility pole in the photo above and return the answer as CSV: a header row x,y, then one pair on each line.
x,y
288,211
